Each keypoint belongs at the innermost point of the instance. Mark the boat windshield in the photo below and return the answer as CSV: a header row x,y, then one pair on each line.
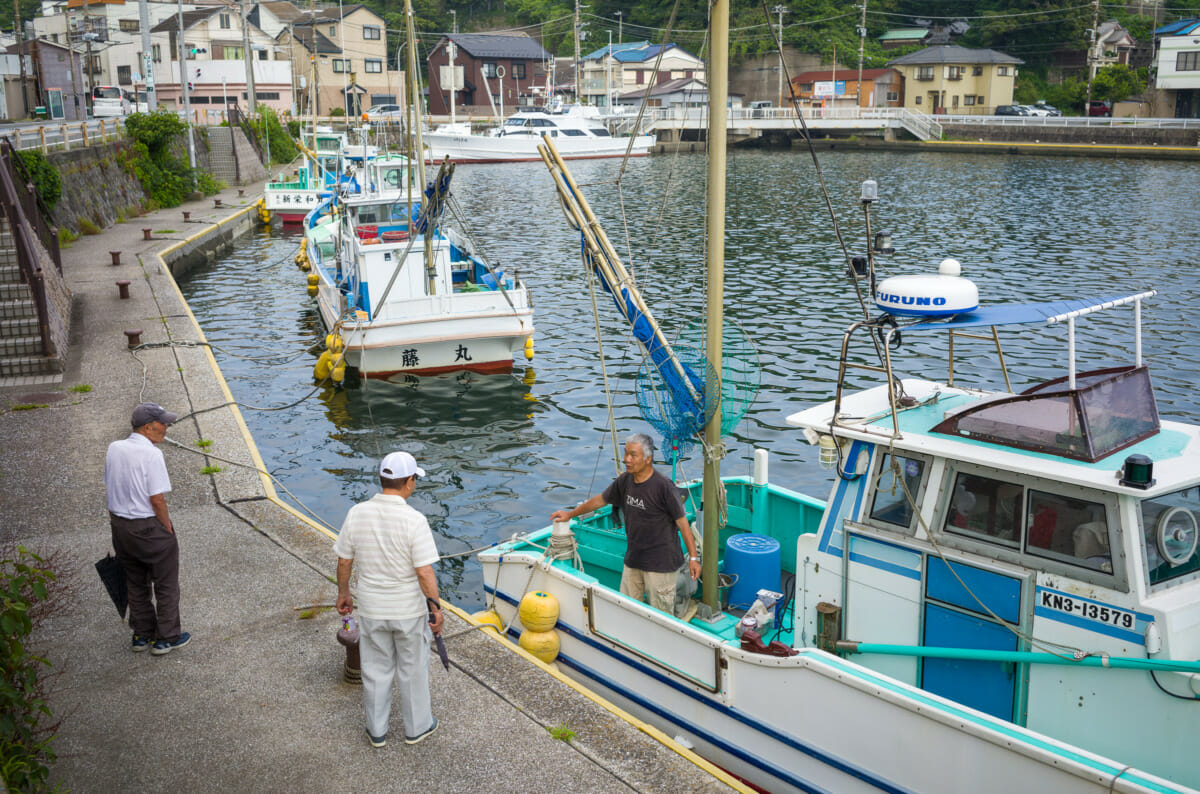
x,y
1108,410
1169,528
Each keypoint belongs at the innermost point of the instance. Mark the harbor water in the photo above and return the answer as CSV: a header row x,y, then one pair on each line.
x,y
504,451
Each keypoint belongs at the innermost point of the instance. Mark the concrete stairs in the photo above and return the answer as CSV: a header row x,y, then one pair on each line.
x,y
20,337
232,159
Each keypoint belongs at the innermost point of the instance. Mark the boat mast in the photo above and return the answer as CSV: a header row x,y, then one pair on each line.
x,y
718,89
414,99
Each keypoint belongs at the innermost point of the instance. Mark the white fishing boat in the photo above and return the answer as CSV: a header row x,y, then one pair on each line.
x,y
315,179
401,292
578,132
999,594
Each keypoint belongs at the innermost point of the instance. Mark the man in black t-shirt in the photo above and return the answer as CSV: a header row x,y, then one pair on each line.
x,y
653,513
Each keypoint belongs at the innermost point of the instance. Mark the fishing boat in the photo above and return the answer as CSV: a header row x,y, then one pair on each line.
x,y
999,593
399,290
578,131
316,178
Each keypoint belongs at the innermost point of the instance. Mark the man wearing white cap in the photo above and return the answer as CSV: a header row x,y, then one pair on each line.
x,y
397,590
135,478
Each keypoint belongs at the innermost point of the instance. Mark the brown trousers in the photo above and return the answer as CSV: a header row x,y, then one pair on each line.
x,y
150,556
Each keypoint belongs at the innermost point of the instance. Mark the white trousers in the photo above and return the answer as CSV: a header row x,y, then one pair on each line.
x,y
399,650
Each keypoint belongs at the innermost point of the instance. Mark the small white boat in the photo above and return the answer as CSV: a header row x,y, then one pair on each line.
x,y
579,133
402,293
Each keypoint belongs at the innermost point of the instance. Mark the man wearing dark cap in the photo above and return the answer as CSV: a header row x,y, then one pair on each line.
x,y
135,477
392,545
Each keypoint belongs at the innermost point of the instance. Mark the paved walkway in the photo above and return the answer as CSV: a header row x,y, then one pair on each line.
x,y
256,701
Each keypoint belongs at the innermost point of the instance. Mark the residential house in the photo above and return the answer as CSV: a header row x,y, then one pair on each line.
x,y
273,18
1177,70
686,92
215,63
340,56
617,69
50,86
1112,45
952,79
880,88
903,37
497,72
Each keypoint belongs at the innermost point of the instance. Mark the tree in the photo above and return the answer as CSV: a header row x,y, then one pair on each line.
x,y
1117,81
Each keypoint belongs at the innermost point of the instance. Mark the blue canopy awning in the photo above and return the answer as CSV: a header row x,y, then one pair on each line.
x,y
1019,313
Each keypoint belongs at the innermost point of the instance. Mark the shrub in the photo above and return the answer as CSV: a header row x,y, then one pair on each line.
x,y
337,112
43,175
166,179
24,738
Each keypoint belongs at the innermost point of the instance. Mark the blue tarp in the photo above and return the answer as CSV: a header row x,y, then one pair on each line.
x,y
1009,314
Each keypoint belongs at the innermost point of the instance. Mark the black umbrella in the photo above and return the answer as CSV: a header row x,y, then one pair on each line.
x,y
438,643
113,577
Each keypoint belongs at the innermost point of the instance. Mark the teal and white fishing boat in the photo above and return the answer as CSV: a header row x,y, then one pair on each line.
x,y
999,594
315,179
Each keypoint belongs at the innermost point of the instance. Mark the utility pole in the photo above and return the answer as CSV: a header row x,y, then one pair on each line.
x,y
183,90
833,101
862,40
780,10
1091,60
251,94
608,73
147,57
578,98
87,68
18,29
453,51
620,15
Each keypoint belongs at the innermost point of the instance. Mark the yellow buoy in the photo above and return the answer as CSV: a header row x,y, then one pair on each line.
x,y
529,349
542,644
304,264
489,618
313,278
311,290
323,366
538,611
338,373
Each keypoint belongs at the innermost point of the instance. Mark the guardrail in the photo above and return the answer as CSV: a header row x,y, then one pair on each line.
x,y
1074,121
65,136
15,200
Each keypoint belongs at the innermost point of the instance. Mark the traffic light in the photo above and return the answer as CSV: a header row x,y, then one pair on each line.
x,y
191,87
199,50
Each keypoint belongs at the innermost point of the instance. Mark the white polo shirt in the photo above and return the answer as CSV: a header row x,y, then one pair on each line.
x,y
388,540
134,470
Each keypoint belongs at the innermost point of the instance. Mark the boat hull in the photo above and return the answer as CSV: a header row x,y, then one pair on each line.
x,y
523,148
807,722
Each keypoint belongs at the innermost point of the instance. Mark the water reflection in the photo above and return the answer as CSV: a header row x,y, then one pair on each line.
x,y
503,451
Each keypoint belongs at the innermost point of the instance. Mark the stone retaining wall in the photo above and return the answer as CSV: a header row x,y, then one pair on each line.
x,y
97,186
1104,135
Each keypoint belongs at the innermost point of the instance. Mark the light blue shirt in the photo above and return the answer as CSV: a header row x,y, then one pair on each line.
x,y
134,470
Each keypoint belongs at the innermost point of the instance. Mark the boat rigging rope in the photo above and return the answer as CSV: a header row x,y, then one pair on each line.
x,y
608,397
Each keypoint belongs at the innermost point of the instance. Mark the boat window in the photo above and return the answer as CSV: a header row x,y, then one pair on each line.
x,y
984,507
391,177
1169,529
601,132
574,132
1067,529
897,487
380,213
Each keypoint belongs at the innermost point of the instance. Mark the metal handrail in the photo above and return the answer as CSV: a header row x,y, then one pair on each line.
x,y
35,209
27,255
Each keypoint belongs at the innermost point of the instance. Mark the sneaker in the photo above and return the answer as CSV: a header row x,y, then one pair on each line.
x,y
415,739
140,643
376,741
165,646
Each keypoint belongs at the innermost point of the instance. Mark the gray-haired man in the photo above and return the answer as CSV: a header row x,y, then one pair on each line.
x,y
653,513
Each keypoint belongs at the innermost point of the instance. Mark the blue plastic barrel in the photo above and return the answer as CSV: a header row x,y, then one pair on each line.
x,y
755,560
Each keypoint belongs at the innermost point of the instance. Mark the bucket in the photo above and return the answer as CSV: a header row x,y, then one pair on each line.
x,y
754,561
395,236
366,232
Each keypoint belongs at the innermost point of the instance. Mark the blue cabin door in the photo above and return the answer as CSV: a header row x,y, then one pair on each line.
x,y
954,619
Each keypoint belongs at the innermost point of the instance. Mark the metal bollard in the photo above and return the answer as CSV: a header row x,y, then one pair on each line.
x,y
123,288
352,669
116,257
187,216
216,203
241,192
146,234
135,336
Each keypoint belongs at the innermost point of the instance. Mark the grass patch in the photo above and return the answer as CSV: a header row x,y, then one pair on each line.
x,y
211,470
81,388
168,231
29,406
562,733
66,236
87,227
204,443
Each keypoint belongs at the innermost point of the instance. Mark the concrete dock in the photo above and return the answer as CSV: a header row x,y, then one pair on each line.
x,y
256,701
